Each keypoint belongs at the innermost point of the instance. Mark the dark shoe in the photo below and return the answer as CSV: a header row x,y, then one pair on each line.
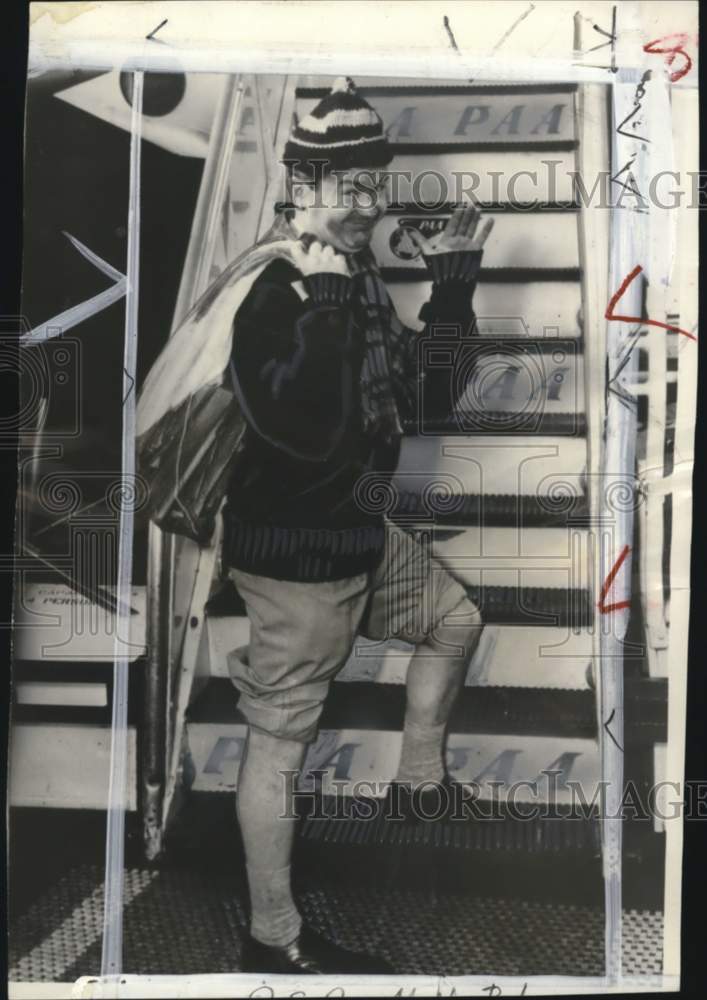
x,y
312,955
446,799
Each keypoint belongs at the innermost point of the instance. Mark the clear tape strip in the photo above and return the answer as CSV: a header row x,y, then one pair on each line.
x,y
628,248
112,951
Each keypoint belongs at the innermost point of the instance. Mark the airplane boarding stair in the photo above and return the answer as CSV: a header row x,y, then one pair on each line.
x,y
494,477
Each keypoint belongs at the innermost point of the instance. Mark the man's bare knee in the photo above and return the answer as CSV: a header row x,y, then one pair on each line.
x,y
460,627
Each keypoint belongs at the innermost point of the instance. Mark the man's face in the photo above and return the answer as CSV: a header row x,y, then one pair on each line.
x,y
344,208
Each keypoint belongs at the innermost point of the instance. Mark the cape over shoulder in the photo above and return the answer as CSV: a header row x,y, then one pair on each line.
x,y
198,352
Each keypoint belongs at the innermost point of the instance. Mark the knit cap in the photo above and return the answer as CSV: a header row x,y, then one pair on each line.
x,y
343,130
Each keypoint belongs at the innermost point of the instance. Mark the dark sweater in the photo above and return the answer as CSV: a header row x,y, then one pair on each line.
x,y
291,512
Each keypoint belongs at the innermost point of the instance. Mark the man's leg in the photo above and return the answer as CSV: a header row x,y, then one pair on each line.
x,y
300,637
414,598
435,675
265,809
279,942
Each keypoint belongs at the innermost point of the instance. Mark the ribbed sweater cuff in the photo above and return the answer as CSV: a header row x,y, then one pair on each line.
x,y
454,265
328,288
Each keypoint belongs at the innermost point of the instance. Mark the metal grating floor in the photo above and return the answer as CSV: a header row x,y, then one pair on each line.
x,y
180,921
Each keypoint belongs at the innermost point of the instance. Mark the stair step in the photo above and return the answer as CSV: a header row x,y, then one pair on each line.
x,y
489,511
500,604
517,605
536,309
569,350
484,710
506,656
505,275
552,245
472,420
328,820
369,706
520,678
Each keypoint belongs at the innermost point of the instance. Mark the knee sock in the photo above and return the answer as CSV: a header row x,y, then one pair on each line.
x,y
421,755
274,919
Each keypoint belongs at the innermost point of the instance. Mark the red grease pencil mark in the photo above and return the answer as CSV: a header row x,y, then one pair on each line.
x,y
605,608
671,52
610,314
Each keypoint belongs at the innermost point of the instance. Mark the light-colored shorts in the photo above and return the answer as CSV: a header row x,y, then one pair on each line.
x,y
302,634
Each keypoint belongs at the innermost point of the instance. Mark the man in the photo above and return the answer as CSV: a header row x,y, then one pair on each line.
x,y
323,370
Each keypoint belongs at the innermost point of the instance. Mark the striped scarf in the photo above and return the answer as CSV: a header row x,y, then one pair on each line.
x,y
387,369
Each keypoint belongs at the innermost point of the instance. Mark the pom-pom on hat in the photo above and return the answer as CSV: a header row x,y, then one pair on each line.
x,y
343,130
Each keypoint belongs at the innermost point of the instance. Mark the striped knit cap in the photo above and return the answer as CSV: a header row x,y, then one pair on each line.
x,y
343,130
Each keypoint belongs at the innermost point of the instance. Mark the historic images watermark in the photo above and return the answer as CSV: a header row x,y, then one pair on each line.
x,y
548,797
550,183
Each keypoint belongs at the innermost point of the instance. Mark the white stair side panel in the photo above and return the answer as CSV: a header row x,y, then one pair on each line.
x,y
509,381
472,464
506,557
54,622
352,756
518,547
460,176
524,239
533,308
64,766
411,117
507,656
72,693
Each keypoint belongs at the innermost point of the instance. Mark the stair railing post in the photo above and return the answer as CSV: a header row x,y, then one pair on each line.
x,y
164,641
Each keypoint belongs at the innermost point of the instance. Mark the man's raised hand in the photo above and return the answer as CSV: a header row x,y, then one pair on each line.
x,y
461,233
312,257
